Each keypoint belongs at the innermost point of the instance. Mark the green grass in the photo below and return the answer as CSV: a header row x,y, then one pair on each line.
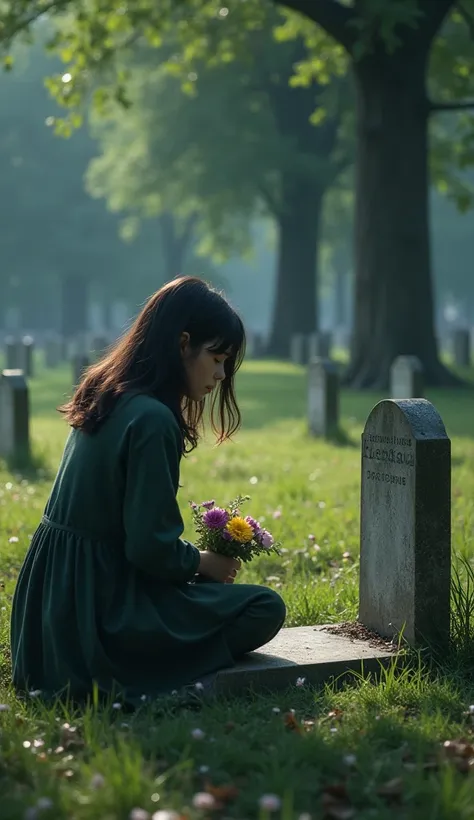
x,y
375,750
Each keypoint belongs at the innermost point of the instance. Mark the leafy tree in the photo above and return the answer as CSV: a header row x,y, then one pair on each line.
x,y
239,142
389,48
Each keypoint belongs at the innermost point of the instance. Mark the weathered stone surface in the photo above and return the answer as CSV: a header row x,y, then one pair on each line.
x,y
308,652
405,552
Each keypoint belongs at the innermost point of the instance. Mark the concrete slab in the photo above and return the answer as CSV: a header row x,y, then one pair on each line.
x,y
311,652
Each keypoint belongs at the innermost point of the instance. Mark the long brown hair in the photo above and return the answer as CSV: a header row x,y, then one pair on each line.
x,y
148,359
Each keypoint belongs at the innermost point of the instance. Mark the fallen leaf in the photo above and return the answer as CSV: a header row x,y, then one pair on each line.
x,y
336,790
223,794
458,748
291,723
334,809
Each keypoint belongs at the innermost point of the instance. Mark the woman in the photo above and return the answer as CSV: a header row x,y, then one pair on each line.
x,y
107,595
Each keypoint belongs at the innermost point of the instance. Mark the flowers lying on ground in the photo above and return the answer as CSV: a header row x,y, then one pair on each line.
x,y
225,531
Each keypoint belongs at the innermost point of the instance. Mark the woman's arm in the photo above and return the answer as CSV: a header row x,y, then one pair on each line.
x,y
151,516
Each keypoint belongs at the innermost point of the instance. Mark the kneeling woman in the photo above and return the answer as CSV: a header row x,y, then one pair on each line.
x,y
104,595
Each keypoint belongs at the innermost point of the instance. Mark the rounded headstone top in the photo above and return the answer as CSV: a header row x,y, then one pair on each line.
x,y
422,417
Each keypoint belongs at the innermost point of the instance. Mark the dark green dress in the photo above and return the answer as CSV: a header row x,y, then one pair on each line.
x,y
104,594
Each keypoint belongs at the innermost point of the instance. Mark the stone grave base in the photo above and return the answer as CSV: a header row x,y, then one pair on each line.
x,y
319,654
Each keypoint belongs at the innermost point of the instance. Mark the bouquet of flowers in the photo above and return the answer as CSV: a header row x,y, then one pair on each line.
x,y
225,531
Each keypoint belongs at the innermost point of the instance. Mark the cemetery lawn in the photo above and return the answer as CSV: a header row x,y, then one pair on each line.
x,y
366,750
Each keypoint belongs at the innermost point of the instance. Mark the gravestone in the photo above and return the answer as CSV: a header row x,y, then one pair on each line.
x,y
405,549
11,353
406,378
297,348
53,350
14,415
319,345
462,347
258,346
323,397
98,346
80,363
25,356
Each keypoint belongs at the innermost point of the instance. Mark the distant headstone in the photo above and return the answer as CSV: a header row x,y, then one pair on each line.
x,y
11,353
80,363
298,351
405,550
25,356
14,415
319,345
53,350
406,378
323,398
258,345
98,346
462,347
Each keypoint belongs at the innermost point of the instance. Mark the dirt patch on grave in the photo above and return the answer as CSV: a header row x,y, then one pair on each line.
x,y
358,632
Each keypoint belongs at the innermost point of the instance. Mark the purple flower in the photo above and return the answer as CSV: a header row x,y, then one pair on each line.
x,y
266,539
208,505
216,519
226,535
254,524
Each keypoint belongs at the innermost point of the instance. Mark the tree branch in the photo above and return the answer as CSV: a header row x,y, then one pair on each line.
x,y
461,105
468,18
434,13
21,23
334,18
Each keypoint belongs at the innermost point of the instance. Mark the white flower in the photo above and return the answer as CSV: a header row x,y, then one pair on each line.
x,y
269,802
198,734
138,814
165,814
203,800
4,707
300,681
471,710
199,686
35,693
276,710
143,698
350,760
13,540
203,769
97,781
116,706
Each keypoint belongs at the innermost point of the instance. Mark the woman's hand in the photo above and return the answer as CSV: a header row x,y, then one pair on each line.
x,y
219,567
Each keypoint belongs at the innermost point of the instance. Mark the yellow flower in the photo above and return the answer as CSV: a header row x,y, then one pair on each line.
x,y
240,530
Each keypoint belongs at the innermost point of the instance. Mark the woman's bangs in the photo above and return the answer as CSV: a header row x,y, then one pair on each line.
x,y
229,338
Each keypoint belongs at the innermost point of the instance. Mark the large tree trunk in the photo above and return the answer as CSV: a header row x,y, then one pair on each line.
x,y
295,306
394,312
175,243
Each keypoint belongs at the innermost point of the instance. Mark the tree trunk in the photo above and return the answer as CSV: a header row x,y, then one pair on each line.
x,y
394,311
74,299
175,244
295,305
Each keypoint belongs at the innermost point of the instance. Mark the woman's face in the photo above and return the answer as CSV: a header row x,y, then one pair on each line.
x,y
204,370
